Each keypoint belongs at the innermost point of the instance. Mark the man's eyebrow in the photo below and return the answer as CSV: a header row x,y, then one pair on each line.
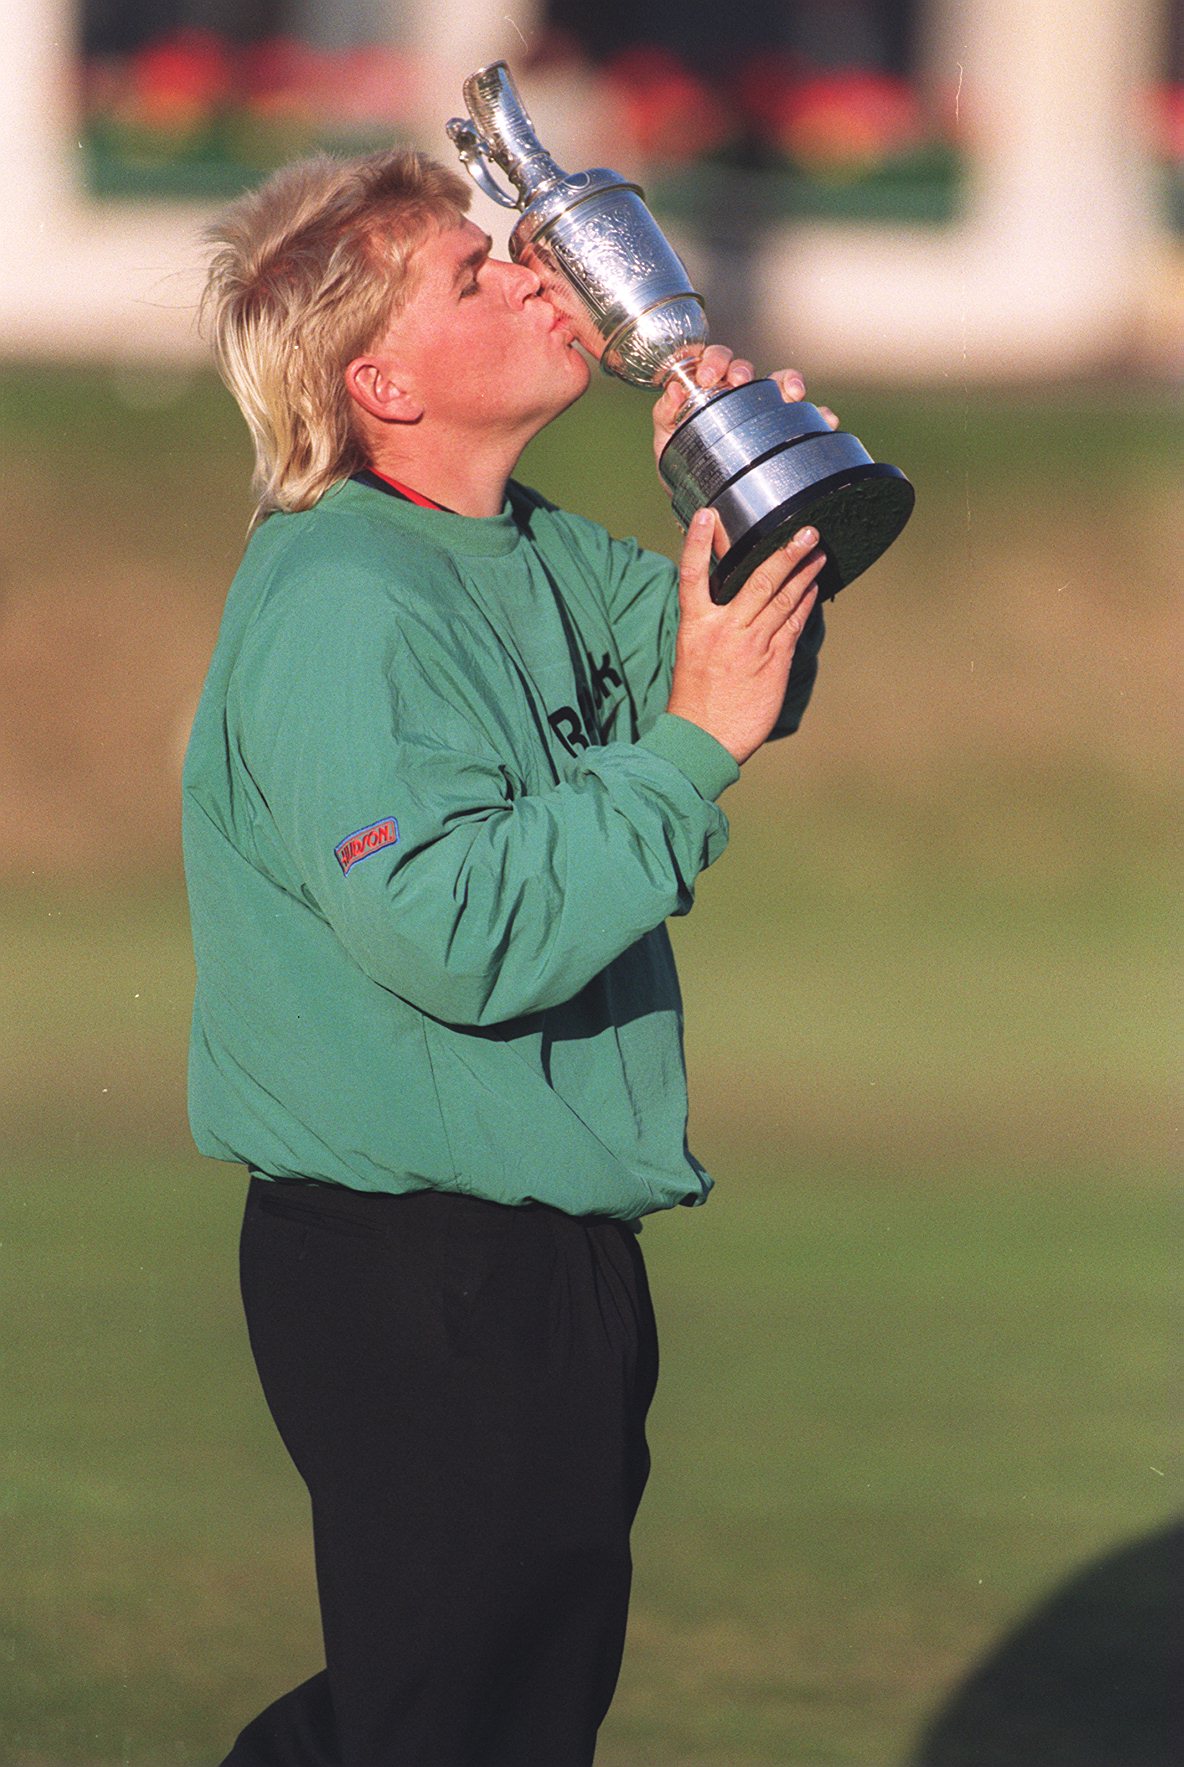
x,y
477,256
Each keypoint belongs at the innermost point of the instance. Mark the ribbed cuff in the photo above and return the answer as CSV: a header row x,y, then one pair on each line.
x,y
706,762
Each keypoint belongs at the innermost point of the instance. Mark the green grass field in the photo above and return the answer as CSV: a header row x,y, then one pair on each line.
x,y
917,1349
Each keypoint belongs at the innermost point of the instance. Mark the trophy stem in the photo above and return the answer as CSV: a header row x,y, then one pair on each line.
x,y
683,372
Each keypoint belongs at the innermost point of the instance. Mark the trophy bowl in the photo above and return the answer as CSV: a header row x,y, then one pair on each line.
x,y
766,466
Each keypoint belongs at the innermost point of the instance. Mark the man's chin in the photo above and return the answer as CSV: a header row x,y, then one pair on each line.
x,y
580,367
577,377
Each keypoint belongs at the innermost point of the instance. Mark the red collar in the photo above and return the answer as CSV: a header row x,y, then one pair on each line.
x,y
406,491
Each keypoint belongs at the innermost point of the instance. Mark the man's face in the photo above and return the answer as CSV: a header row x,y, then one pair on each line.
x,y
477,345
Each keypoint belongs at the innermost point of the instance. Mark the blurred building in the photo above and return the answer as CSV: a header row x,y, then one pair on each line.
x,y
898,188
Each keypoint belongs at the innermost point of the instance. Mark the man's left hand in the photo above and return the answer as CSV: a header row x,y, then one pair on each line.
x,y
717,367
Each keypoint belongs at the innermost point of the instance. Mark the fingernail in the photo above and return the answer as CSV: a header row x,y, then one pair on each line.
x,y
807,536
703,518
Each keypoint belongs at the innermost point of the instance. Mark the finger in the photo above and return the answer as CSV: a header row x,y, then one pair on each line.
x,y
712,367
667,408
694,565
801,585
793,387
771,576
790,628
831,421
740,372
676,391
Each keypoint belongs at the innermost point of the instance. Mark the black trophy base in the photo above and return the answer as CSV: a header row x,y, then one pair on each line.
x,y
857,513
768,467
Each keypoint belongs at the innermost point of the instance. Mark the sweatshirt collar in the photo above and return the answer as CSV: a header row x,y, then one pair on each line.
x,y
381,481
475,536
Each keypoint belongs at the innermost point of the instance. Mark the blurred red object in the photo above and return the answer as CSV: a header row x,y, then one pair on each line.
x,y
843,123
282,76
349,90
176,82
374,86
1165,117
669,113
764,87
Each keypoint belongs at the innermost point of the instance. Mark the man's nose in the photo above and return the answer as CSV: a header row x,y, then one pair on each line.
x,y
522,283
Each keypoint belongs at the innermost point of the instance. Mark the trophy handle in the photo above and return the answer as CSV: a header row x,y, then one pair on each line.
x,y
471,149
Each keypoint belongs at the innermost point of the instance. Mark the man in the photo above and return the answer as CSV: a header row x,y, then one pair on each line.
x,y
456,761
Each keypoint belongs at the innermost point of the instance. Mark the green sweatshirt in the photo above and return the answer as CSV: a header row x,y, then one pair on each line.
x,y
434,818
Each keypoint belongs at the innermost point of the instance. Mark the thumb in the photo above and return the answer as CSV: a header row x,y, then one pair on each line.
x,y
666,411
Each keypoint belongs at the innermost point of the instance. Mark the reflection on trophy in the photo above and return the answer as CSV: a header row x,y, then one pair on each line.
x,y
766,467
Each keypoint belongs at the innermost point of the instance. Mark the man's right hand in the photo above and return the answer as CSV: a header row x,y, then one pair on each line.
x,y
731,663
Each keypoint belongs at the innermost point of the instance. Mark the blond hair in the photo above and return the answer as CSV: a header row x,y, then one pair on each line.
x,y
308,272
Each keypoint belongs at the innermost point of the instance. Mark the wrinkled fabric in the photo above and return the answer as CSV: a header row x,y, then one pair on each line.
x,y
435,816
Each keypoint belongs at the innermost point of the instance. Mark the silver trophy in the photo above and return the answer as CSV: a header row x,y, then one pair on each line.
x,y
766,467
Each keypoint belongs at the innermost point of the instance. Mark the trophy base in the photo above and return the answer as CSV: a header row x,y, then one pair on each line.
x,y
857,513
768,467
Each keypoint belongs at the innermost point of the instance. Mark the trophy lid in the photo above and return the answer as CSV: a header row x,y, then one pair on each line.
x,y
504,133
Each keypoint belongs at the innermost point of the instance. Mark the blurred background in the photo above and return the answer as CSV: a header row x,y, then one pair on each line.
x,y
916,1481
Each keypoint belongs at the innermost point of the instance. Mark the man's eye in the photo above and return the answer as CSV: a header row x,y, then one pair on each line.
x,y
470,288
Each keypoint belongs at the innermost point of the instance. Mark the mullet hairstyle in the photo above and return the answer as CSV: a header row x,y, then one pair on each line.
x,y
308,272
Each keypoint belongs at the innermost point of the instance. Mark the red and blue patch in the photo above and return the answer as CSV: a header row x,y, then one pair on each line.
x,y
366,841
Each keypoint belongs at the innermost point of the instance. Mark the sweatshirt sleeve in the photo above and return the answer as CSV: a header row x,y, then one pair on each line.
x,y
394,815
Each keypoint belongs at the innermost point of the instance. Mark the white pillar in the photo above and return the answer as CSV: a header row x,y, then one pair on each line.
x,y
35,113
1052,97
1045,271
78,276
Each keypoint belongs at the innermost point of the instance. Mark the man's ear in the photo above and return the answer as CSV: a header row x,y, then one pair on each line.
x,y
371,384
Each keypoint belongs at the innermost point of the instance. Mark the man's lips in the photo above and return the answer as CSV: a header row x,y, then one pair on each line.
x,y
558,325
559,320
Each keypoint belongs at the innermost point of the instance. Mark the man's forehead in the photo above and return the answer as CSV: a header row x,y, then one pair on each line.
x,y
450,250
435,268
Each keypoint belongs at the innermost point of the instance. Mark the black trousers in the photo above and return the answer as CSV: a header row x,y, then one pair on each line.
x,y
463,1388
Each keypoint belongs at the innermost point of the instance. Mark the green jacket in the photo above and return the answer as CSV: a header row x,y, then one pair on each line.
x,y
434,818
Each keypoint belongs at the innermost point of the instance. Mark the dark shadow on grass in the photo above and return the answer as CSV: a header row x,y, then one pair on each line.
x,y
1092,1678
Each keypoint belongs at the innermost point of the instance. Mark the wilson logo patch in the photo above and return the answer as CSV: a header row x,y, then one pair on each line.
x,y
366,841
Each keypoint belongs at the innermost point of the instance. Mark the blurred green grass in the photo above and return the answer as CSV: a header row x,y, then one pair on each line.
x,y
915,1347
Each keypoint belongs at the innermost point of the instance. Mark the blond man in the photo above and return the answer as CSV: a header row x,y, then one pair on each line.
x,y
457,759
